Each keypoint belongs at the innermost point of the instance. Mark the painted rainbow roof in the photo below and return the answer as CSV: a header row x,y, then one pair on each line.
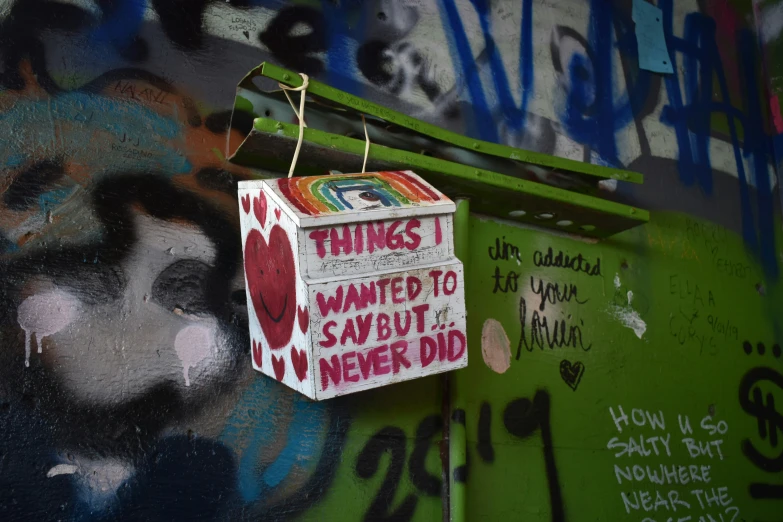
x,y
324,200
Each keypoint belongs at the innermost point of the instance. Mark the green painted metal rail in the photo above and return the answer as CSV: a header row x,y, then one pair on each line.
x,y
271,143
316,88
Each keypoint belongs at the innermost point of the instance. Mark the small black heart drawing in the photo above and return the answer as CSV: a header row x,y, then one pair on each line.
x,y
247,34
571,373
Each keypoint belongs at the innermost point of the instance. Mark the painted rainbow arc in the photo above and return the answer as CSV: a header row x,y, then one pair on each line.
x,y
318,195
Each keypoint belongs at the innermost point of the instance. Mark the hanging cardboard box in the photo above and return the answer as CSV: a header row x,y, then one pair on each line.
x,y
351,281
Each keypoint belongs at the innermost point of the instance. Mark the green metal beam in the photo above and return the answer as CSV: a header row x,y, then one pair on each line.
x,y
457,170
503,151
271,144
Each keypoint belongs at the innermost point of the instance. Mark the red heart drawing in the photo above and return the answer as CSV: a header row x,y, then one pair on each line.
x,y
277,214
259,209
299,361
271,279
257,353
246,203
303,314
279,367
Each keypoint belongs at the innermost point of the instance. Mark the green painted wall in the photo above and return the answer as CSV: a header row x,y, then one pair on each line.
x,y
541,436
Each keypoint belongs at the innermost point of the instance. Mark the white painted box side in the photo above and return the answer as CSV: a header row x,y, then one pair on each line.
x,y
278,316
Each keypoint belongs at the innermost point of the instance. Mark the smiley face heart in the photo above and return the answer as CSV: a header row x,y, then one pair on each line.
x,y
303,314
257,353
279,366
299,362
246,203
259,209
271,280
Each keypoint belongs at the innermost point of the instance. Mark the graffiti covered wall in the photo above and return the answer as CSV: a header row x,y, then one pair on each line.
x,y
769,21
127,390
622,373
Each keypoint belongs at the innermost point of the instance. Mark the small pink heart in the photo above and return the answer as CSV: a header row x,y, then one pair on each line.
x,y
246,203
279,366
259,209
277,214
303,314
257,353
299,362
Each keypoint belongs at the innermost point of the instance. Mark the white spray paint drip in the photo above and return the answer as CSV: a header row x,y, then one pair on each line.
x,y
610,185
105,475
62,469
771,22
192,344
45,314
628,316
99,479
630,319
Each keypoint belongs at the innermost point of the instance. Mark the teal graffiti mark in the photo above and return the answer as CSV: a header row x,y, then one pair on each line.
x,y
249,436
84,126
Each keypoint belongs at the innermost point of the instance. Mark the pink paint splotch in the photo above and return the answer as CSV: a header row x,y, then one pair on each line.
x,y
727,23
192,344
777,119
45,314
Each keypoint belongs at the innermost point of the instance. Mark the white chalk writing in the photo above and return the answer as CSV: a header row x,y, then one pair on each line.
x,y
663,478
